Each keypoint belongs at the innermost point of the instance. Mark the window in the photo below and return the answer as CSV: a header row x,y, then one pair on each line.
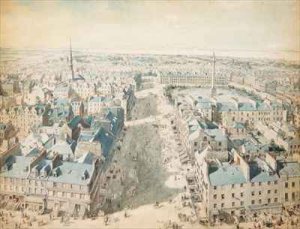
x,y
252,184
233,203
232,212
275,200
293,196
275,182
215,196
269,191
252,193
242,194
241,185
259,201
222,196
286,197
259,192
253,202
286,184
275,191
232,186
215,205
269,182
242,203
222,205
259,183
215,187
269,201
232,195
293,184
195,143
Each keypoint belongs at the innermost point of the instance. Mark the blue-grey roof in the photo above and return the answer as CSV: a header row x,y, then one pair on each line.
x,y
262,106
43,165
227,174
226,106
16,166
292,169
61,102
85,137
74,122
71,172
68,172
86,158
207,125
246,107
203,105
33,152
63,149
261,172
193,125
217,133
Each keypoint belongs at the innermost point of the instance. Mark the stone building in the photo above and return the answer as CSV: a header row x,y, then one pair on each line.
x,y
23,117
39,183
242,187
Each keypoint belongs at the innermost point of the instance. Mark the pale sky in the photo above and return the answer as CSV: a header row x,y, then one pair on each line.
x,y
145,26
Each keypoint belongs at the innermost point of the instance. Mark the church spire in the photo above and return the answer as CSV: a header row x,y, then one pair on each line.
x,y
71,61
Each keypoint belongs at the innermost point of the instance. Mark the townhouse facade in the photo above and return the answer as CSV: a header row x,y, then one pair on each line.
x,y
39,183
243,188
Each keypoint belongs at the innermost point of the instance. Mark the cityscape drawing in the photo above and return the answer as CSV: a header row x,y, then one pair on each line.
x,y
149,114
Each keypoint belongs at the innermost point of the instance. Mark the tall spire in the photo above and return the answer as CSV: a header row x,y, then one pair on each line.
x,y
71,60
213,89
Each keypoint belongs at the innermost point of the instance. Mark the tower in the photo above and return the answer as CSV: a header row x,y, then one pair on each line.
x,y
71,61
213,90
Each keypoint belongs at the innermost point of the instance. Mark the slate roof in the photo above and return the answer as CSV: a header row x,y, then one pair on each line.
x,y
217,133
261,172
16,167
63,149
74,122
291,169
67,172
226,174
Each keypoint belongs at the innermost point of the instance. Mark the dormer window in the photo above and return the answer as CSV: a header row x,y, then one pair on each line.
x,y
57,172
85,175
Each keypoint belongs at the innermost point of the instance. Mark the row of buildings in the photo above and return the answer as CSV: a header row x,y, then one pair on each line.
x,y
244,187
55,138
58,167
243,152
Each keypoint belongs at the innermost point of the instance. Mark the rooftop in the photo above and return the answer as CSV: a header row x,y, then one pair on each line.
x,y
226,174
261,172
291,169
